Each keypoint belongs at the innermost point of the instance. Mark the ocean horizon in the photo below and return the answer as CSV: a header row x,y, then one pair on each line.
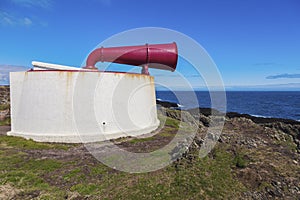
x,y
269,104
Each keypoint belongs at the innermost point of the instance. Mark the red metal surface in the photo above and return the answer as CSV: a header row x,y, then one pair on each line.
x,y
159,56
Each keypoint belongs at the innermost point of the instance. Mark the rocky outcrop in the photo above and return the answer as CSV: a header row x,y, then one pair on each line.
x,y
4,103
167,104
262,120
266,152
4,95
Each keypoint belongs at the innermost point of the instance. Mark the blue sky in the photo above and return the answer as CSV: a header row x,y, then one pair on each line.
x,y
254,43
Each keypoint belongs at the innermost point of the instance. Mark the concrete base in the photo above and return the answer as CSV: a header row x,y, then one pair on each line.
x,y
81,106
71,138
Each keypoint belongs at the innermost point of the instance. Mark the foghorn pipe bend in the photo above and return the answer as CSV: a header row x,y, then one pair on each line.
x,y
159,56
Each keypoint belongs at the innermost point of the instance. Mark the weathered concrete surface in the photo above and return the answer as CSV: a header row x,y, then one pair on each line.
x,y
75,107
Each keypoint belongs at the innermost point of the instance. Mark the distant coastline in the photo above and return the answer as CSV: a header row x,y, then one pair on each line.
x,y
208,111
261,104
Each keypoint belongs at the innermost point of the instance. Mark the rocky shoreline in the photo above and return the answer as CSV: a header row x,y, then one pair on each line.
x,y
288,126
267,144
4,103
269,150
208,111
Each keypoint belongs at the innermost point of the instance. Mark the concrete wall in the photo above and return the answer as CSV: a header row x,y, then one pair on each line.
x,y
74,106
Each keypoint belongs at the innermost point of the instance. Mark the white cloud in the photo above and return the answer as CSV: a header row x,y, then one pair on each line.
x,y
7,19
10,18
283,76
27,21
33,3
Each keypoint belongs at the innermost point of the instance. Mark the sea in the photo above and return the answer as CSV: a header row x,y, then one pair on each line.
x,y
275,104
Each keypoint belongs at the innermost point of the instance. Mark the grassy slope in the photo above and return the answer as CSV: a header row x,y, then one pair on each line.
x,y
48,178
59,171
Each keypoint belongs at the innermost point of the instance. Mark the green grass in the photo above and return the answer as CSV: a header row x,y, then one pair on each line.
x,y
99,169
203,178
20,161
5,122
240,160
18,142
73,173
4,106
85,189
20,171
168,126
168,122
289,143
165,133
172,122
207,178
200,178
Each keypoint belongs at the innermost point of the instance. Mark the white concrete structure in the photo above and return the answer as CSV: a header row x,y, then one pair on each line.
x,y
81,106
